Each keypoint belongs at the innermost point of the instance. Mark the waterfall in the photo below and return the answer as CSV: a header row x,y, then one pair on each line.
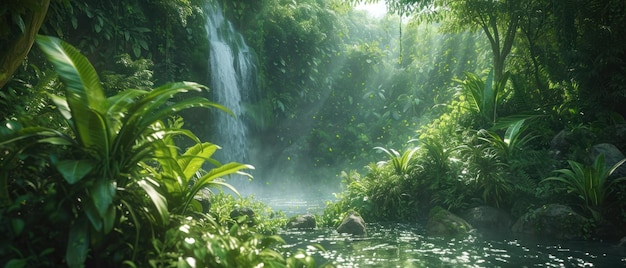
x,y
233,75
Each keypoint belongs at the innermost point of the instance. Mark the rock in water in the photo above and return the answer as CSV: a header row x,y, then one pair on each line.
x,y
302,222
444,223
352,224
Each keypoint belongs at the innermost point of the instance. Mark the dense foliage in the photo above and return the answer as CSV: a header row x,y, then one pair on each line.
x,y
491,143
450,103
113,171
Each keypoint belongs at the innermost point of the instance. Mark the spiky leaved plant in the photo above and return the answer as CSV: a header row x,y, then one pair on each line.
x,y
400,162
105,141
588,182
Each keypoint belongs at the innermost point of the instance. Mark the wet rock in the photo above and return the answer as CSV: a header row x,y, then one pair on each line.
x,y
302,222
352,224
442,222
489,220
612,155
553,221
243,215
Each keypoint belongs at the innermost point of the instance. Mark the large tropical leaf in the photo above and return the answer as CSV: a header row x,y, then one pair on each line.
x,y
118,106
159,114
473,87
74,170
102,193
13,132
84,94
193,159
157,199
218,172
488,106
75,71
78,243
141,113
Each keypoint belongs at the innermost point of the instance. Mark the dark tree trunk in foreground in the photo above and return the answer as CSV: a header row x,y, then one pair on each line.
x,y
16,48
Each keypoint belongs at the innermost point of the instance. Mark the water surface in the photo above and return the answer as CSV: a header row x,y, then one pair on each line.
x,y
407,245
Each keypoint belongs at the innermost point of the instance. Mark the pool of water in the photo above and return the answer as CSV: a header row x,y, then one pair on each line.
x,y
407,245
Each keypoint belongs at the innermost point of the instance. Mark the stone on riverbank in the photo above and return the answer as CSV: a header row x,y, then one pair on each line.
x,y
489,220
553,221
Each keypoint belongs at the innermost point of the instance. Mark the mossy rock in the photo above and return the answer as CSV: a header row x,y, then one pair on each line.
x,y
301,222
554,221
442,222
352,224
244,215
488,220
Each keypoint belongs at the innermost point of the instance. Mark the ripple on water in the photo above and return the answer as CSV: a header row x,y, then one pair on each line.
x,y
404,245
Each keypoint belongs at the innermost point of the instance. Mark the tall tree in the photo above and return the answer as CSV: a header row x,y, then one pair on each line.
x,y
498,19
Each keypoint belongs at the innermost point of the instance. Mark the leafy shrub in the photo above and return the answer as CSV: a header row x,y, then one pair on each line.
x,y
588,182
202,242
400,162
104,181
267,221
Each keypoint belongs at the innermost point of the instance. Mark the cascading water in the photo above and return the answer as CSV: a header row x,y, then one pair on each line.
x,y
233,75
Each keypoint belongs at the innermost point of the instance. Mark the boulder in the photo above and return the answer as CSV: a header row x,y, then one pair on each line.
x,y
566,141
442,222
352,224
614,134
612,155
243,215
560,143
488,220
553,221
301,222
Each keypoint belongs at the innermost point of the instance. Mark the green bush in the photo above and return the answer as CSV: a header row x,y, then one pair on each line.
x,y
589,183
111,181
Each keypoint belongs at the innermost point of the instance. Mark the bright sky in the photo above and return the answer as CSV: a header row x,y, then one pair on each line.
x,y
377,10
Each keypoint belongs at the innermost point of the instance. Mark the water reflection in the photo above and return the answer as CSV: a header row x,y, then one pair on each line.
x,y
406,245
403,245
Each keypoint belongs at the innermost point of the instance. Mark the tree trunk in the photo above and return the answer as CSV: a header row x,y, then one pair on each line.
x,y
18,47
